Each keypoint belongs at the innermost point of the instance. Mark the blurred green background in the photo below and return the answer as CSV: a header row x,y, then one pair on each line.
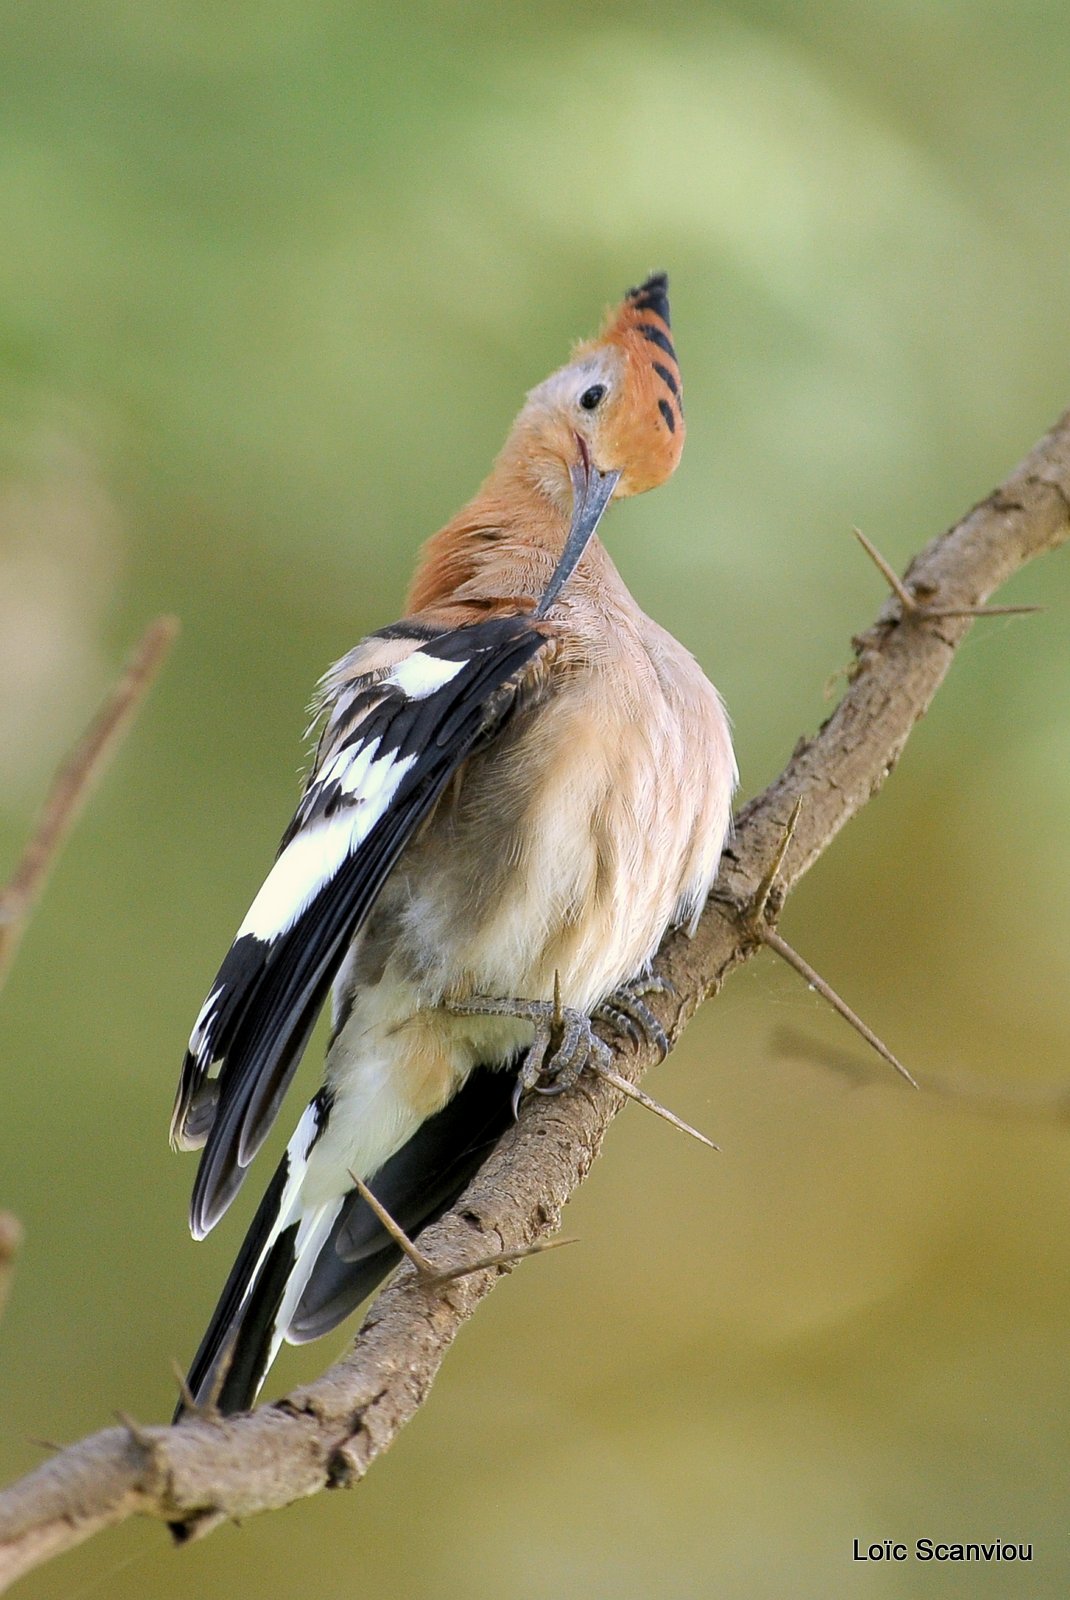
x,y
274,279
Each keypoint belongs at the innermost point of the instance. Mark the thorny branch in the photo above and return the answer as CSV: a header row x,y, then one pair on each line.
x,y
328,1433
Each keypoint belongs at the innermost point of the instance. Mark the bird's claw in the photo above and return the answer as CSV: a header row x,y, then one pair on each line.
x,y
627,1013
564,1042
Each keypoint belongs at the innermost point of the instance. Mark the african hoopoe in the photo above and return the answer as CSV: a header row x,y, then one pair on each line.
x,y
521,785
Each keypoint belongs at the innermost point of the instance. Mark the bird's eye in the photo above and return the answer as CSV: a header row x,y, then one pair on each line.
x,y
592,397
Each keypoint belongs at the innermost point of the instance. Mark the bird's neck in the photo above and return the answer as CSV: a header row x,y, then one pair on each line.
x,y
500,550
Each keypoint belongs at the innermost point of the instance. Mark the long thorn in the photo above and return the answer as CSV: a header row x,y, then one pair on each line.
x,y
911,603
900,589
500,1258
765,887
787,953
429,1274
185,1393
206,1410
424,1267
210,1404
937,612
627,1087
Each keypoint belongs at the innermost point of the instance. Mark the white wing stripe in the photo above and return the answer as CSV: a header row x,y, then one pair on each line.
x,y
312,858
380,786
348,767
353,769
297,1153
420,675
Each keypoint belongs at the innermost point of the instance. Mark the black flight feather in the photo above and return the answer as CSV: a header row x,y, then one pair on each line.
x,y
417,1184
269,997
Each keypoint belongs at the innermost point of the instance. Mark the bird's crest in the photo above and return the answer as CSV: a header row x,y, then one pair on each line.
x,y
648,421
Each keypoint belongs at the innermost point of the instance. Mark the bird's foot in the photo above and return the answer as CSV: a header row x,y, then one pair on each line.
x,y
628,1014
564,1041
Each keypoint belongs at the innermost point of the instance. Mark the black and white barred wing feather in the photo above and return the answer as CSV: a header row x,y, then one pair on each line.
x,y
404,710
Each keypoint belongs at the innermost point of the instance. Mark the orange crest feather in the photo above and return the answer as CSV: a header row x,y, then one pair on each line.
x,y
646,429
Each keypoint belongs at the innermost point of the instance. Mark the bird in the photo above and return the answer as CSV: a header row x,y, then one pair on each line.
x,y
517,790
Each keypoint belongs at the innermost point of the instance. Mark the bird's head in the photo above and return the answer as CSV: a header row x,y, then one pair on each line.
x,y
625,386
611,422
616,406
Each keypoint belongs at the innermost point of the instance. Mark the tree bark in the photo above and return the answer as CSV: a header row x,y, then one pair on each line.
x,y
328,1433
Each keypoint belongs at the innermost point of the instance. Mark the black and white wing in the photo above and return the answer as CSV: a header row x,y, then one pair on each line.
x,y
404,711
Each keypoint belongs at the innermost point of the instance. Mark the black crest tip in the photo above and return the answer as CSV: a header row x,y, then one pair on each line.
x,y
653,295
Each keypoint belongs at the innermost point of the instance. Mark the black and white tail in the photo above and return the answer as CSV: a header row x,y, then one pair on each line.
x,y
302,1269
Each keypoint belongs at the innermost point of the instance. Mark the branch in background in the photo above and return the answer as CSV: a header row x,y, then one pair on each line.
x,y
10,1240
69,791
1025,1102
72,783
329,1433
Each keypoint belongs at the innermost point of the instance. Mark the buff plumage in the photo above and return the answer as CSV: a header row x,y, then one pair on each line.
x,y
520,786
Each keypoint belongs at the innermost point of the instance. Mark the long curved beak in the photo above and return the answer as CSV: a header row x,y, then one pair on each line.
x,y
591,492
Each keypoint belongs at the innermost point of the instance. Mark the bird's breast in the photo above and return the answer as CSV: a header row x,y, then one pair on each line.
x,y
571,843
